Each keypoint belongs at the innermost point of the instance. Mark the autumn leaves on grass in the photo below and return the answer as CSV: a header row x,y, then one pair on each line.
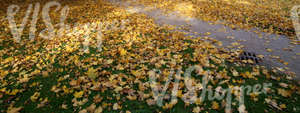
x,y
51,75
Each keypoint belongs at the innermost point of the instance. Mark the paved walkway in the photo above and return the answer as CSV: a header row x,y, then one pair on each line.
x,y
252,40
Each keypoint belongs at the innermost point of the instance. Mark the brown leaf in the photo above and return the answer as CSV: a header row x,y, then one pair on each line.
x,y
14,110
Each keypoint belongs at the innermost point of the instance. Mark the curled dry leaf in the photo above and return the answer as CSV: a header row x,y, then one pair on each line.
x,y
35,96
43,103
284,85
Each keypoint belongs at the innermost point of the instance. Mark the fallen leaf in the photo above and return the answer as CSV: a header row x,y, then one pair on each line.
x,y
242,109
92,73
83,111
116,106
269,50
42,104
235,73
282,106
91,108
64,106
122,51
215,105
78,94
14,110
284,93
35,96
99,110
9,59
196,109
284,85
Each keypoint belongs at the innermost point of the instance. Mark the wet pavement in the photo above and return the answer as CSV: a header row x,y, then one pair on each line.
x,y
251,40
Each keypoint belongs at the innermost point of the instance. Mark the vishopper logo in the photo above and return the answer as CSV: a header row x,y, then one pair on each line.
x,y
18,31
50,31
197,92
295,12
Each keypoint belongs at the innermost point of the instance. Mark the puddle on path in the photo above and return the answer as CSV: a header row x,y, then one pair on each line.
x,y
256,42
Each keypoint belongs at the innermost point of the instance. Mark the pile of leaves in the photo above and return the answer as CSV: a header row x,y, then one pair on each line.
x,y
43,75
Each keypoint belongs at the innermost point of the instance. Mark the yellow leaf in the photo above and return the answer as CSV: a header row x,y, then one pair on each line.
x,y
269,50
247,75
42,104
235,73
92,73
179,93
122,52
35,72
215,105
284,93
196,109
3,73
235,44
78,94
35,96
24,79
131,97
109,61
9,59
207,33
282,106
198,101
69,49
136,73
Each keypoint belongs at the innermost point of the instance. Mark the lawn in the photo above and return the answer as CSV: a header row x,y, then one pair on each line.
x,y
72,73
